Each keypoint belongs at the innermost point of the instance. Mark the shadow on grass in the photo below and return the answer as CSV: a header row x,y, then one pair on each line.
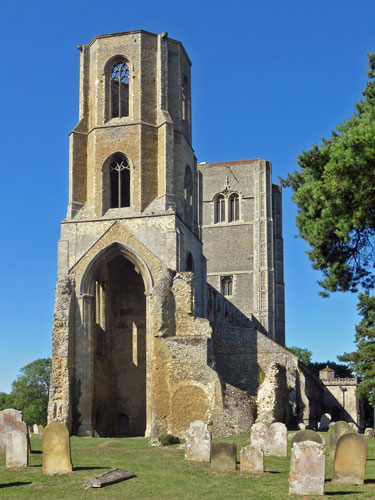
x,y
90,468
36,452
369,481
329,493
18,483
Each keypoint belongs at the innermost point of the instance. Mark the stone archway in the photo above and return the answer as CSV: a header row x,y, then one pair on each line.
x,y
115,321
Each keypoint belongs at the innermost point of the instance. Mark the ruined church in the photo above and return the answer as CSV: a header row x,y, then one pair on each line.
x,y
170,296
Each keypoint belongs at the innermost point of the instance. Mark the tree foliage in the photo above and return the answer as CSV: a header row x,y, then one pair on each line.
x,y
30,391
362,360
335,191
341,370
303,354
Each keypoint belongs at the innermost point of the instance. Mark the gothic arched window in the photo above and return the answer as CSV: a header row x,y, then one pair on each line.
x,y
188,197
234,207
119,174
219,208
189,263
226,285
119,90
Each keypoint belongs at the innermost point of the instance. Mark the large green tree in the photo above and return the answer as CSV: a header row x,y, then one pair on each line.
x,y
362,361
30,391
335,191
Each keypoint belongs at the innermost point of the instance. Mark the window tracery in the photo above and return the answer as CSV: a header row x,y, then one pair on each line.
x,y
226,285
119,90
119,171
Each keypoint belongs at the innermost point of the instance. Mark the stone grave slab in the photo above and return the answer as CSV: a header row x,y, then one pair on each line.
x,y
277,440
251,459
259,436
198,442
350,460
335,432
17,450
223,456
40,431
307,468
110,477
10,420
56,449
369,432
307,435
35,429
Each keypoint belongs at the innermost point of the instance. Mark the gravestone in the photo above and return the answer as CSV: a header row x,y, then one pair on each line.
x,y
56,449
307,467
307,435
369,432
251,459
259,436
35,429
325,420
353,426
223,456
335,432
40,430
17,449
10,420
350,460
277,440
198,442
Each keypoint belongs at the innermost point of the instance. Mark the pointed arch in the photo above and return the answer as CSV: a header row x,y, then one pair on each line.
x,y
116,179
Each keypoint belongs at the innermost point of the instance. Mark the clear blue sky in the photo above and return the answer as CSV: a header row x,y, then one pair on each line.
x,y
269,79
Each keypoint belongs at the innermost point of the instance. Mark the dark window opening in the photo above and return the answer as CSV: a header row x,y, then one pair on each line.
x,y
219,209
188,197
190,263
119,172
234,208
119,99
226,285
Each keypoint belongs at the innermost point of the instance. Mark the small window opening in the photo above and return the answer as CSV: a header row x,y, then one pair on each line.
x,y
220,209
234,207
188,197
185,99
226,285
189,263
119,90
119,172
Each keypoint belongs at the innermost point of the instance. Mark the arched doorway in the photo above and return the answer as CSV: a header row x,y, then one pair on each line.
x,y
118,346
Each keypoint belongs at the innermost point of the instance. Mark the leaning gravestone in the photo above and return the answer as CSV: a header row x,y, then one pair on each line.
x,y
325,420
335,432
369,433
198,442
223,456
277,440
307,466
350,460
251,459
10,420
307,435
56,449
35,429
17,450
259,436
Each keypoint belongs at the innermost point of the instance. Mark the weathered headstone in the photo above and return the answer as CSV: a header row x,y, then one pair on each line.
x,y
198,442
110,477
335,432
350,460
259,436
353,426
307,435
251,459
307,467
223,456
35,429
56,449
10,420
325,420
277,440
17,449
40,430
369,432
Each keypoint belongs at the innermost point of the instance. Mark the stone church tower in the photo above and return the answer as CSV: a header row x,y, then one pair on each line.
x,y
142,344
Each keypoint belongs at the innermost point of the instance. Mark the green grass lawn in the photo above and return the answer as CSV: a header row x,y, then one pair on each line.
x,y
162,473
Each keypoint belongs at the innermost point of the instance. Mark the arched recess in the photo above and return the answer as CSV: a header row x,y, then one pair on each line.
x,y
116,182
114,343
189,266
117,76
188,197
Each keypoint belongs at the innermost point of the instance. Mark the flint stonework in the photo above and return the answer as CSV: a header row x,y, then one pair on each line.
x,y
251,459
223,456
307,468
198,442
350,460
56,449
17,449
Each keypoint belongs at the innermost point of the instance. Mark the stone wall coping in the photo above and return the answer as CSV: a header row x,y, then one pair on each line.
x,y
341,381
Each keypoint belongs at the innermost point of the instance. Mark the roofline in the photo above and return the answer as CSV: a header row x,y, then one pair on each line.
x,y
229,163
109,35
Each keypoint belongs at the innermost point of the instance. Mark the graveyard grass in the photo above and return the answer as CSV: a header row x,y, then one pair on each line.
x,y
162,473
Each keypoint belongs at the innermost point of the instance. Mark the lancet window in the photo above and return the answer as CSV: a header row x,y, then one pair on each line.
x,y
119,172
219,208
234,207
119,90
226,285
